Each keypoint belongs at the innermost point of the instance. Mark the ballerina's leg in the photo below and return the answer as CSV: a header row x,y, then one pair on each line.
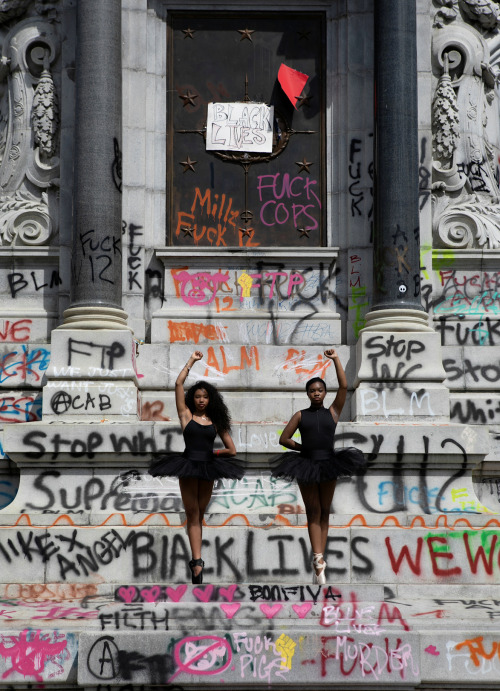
x,y
326,492
189,487
311,498
205,488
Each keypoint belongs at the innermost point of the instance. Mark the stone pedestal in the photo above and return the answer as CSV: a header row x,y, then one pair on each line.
x,y
92,377
400,377
275,296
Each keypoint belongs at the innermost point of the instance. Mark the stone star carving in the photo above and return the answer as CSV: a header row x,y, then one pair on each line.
x,y
303,231
246,33
304,165
188,33
188,164
303,101
188,98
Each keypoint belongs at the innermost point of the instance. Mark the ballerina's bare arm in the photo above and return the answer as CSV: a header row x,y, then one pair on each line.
x,y
287,434
339,402
183,411
229,447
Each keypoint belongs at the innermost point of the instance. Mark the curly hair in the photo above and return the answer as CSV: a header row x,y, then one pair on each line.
x,y
216,410
313,381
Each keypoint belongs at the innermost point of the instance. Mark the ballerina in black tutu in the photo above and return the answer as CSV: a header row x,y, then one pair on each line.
x,y
202,414
317,465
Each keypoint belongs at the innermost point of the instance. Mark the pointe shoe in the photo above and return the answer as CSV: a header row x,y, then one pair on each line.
x,y
318,578
196,562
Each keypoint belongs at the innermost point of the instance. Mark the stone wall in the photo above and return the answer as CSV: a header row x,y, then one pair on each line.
x,y
92,548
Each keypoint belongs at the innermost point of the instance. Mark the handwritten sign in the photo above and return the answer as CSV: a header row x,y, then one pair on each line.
x,y
240,127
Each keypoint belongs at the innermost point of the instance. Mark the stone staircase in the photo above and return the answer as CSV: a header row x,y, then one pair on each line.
x,y
412,601
94,553
332,636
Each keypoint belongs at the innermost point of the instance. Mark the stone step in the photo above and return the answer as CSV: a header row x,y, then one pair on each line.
x,y
338,608
264,658
50,441
443,552
410,471
343,608
341,618
338,635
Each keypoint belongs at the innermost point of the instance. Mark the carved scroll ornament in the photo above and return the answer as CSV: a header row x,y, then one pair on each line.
x,y
24,220
29,131
466,140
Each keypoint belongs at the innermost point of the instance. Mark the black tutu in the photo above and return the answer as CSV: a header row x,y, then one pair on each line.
x,y
198,458
318,466
198,464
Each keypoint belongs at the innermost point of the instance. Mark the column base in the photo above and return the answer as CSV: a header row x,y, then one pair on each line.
x,y
397,320
93,317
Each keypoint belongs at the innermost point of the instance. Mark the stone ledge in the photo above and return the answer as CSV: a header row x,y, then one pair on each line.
x,y
59,441
434,638
377,555
452,520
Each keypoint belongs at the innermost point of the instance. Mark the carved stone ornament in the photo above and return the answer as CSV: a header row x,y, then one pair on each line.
x,y
29,168
466,141
445,118
13,9
469,224
10,9
447,12
45,115
24,220
484,14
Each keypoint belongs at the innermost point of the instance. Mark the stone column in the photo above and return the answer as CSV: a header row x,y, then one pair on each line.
x,y
396,304
92,374
96,286
400,373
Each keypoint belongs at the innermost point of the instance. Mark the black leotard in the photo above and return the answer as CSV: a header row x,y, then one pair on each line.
x,y
199,440
317,461
317,431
